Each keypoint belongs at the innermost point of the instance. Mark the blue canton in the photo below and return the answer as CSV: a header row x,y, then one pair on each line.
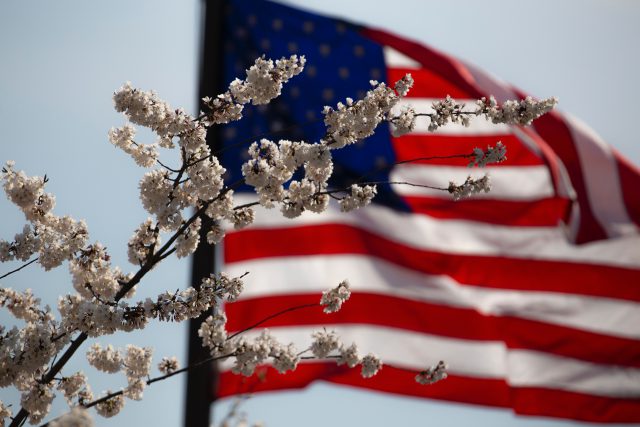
x,y
340,63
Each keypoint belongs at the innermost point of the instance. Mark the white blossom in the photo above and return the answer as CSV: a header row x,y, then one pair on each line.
x,y
495,154
215,234
110,407
168,365
359,197
72,385
188,241
285,358
135,388
37,401
144,155
433,374
370,365
333,299
404,122
265,79
324,343
137,361
105,359
521,112
349,356
213,332
242,217
145,241
469,187
22,305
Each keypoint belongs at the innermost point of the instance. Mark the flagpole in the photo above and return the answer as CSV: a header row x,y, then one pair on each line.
x,y
202,381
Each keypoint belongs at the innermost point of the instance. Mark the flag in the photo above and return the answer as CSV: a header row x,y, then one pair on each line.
x,y
530,293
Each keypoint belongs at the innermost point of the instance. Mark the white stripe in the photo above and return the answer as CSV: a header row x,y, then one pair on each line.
x,y
462,237
367,274
507,182
483,359
478,125
602,179
532,369
407,349
395,59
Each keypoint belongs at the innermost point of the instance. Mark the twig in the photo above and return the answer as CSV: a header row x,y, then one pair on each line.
x,y
286,310
19,268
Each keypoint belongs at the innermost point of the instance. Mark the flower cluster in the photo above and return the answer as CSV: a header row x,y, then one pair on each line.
x,y
448,110
144,155
333,299
360,196
55,239
354,121
74,386
168,365
469,187
495,154
433,374
511,112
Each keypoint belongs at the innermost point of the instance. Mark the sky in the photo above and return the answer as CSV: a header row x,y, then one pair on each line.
x,y
61,62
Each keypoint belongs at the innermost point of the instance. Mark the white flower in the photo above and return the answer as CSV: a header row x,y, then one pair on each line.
x,y
521,112
370,365
359,197
137,361
333,299
469,187
37,401
135,388
71,386
285,358
106,360
491,155
349,356
324,343
404,122
168,365
242,217
110,407
213,332
433,374
188,241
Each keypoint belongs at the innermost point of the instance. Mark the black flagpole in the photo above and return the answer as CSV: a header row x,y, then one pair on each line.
x,y
202,381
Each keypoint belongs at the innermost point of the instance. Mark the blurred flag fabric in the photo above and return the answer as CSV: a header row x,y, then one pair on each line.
x,y
530,293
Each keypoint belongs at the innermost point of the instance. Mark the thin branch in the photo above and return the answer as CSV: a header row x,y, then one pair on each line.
x,y
266,319
19,268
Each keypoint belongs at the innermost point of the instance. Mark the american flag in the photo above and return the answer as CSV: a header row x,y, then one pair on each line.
x,y
530,293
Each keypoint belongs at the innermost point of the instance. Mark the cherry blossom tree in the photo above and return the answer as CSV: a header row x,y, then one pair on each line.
x,y
178,199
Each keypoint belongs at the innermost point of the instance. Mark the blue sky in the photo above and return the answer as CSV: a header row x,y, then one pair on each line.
x,y
62,60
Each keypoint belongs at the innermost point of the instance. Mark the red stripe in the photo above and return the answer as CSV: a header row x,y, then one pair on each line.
x,y
489,392
479,391
552,128
630,183
409,147
446,67
537,213
441,320
487,271
427,84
